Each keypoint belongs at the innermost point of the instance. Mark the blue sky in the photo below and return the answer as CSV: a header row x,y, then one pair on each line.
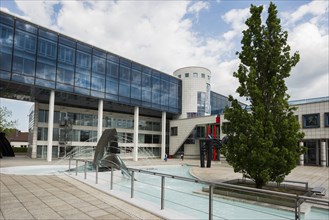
x,y
168,35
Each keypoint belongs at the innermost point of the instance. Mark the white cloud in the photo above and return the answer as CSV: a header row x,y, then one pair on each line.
x,y
314,8
38,11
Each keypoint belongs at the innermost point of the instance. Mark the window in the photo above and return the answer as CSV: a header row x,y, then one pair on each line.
x,y
173,131
187,75
203,75
179,76
195,74
209,78
326,119
311,121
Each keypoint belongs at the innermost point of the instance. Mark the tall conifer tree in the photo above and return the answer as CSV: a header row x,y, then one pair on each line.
x,y
263,140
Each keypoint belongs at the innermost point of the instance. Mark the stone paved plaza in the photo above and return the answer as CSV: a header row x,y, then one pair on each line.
x,y
63,197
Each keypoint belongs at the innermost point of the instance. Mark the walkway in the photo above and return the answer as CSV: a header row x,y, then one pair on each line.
x,y
57,197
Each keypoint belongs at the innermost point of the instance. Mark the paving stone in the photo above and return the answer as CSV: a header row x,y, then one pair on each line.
x,y
97,213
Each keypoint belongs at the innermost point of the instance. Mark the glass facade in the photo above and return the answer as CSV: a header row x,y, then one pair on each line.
x,y
218,103
36,56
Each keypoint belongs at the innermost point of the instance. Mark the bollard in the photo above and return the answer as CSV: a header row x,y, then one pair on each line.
x,y
132,183
211,191
85,169
96,173
162,191
70,166
76,167
111,178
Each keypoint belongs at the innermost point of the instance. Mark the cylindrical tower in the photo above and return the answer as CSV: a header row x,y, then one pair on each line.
x,y
195,91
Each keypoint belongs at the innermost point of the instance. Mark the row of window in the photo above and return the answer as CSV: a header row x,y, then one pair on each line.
x,y
195,75
91,136
91,120
38,56
313,120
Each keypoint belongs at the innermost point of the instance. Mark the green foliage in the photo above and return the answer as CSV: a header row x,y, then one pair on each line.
x,y
263,142
20,149
5,123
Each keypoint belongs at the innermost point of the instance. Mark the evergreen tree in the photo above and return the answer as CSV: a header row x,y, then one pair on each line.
x,y
263,140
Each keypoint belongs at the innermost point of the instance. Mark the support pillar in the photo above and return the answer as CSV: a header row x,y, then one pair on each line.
x,y
136,124
100,119
163,135
301,157
50,125
323,153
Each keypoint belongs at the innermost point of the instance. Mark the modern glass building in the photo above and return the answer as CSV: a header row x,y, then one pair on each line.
x,y
79,90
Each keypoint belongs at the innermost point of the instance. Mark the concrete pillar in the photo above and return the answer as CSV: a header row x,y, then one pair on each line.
x,y
136,125
323,153
301,157
100,119
163,134
35,128
50,125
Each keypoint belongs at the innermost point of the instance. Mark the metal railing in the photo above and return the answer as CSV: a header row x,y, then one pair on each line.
x,y
298,200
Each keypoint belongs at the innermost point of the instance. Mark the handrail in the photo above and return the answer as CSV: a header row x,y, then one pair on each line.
x,y
298,200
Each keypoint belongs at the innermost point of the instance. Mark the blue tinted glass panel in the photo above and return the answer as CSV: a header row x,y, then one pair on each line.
x,y
84,47
124,89
112,86
48,34
66,54
6,44
67,41
4,75
125,62
113,58
155,84
21,78
64,87
47,48
6,20
26,27
23,65
98,65
45,83
25,42
111,97
65,75
156,98
97,94
112,70
82,91
5,61
82,79
124,74
100,53
98,82
45,71
136,77
136,92
137,66
83,60
146,81
146,95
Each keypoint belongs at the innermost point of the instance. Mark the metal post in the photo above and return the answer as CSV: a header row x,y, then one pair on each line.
x,y
162,191
211,192
297,209
85,169
96,173
76,167
111,178
70,166
132,183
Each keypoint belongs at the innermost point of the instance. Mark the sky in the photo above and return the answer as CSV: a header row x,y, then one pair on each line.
x,y
168,35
